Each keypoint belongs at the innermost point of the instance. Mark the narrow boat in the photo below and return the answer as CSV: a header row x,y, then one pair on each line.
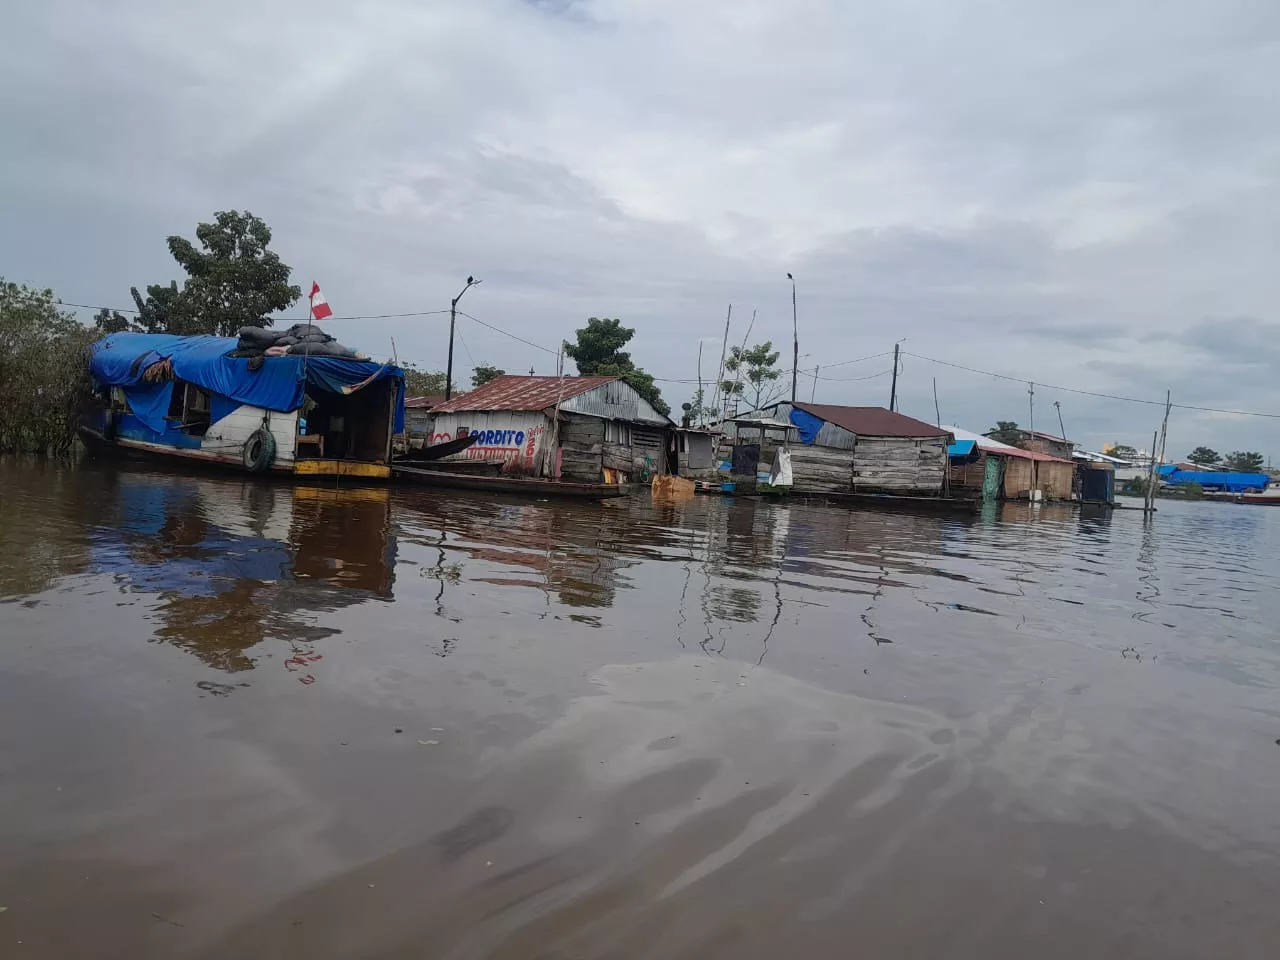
x,y
530,486
1269,496
187,398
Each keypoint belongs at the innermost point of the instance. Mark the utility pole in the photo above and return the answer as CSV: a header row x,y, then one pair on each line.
x,y
1031,401
936,411
453,322
795,340
1057,405
724,350
701,399
893,388
814,392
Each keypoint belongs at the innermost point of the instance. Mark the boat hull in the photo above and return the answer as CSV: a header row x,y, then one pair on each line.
x,y
530,486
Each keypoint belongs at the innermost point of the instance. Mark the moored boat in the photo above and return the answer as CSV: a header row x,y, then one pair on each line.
x,y
530,486
188,399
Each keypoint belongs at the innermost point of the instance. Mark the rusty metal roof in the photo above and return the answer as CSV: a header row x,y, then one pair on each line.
x,y
512,392
872,421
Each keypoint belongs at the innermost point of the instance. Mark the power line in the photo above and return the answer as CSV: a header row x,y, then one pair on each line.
x,y
365,316
1094,393
528,343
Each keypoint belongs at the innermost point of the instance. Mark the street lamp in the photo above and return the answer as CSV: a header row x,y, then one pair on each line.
x,y
795,340
453,321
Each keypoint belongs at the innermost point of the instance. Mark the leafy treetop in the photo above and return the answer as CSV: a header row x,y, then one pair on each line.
x,y
423,383
233,280
757,364
597,353
1006,431
1244,461
485,372
1204,456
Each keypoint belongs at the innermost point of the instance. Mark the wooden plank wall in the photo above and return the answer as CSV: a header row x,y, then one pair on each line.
x,y
966,478
649,442
899,464
821,469
582,449
1053,479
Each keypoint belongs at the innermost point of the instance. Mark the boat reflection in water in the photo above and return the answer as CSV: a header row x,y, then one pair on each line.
x,y
233,564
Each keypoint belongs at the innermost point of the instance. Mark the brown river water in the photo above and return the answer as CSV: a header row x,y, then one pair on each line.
x,y
246,720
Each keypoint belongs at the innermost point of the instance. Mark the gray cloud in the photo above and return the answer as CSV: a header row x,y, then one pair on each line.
x,y
1061,192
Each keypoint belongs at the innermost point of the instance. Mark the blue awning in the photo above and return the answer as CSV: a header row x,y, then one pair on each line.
x,y
961,448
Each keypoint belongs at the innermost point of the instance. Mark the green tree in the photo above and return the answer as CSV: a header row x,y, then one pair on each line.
x,y
696,410
485,372
1244,462
1005,431
599,343
163,310
424,383
233,280
1122,451
1204,456
113,321
597,353
44,375
757,365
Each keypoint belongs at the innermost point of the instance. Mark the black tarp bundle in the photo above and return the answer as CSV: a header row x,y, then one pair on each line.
x,y
300,339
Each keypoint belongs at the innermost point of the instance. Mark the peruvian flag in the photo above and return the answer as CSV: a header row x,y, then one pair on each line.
x,y
319,305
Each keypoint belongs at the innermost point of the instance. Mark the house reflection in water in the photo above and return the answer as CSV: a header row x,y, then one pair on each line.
x,y
236,563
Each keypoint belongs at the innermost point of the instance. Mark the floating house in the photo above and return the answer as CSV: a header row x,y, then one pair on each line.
x,y
417,414
982,468
838,449
585,429
187,398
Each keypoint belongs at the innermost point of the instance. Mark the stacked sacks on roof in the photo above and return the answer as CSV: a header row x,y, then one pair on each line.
x,y
298,340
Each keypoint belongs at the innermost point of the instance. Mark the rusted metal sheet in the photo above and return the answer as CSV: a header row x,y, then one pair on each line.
x,y
606,397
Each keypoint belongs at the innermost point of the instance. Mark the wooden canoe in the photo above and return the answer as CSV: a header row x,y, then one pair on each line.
x,y
438,450
529,486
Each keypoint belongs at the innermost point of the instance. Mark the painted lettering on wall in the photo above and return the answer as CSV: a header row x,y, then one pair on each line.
x,y
517,447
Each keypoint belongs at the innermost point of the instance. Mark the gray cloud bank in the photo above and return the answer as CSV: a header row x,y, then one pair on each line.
x,y
1085,194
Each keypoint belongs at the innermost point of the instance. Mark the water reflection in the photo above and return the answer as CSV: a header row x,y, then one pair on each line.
x,y
220,565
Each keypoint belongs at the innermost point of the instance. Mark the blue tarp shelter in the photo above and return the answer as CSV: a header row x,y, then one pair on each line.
x,y
961,448
1214,479
279,383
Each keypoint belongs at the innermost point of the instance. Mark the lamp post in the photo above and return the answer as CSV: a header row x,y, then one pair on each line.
x,y
453,321
795,340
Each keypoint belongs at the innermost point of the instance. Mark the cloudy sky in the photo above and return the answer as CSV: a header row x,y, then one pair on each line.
x,y
1084,194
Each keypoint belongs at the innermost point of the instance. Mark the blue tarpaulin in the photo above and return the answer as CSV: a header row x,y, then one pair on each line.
x,y
961,448
1214,479
279,384
807,424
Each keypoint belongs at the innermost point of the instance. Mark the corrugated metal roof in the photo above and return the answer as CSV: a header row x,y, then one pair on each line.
x,y
995,446
512,392
872,421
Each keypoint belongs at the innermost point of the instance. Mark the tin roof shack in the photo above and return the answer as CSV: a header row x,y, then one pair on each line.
x,y
863,449
982,468
604,430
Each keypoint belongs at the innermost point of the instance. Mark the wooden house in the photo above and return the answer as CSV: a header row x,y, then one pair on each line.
x,y
579,428
862,450
982,468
